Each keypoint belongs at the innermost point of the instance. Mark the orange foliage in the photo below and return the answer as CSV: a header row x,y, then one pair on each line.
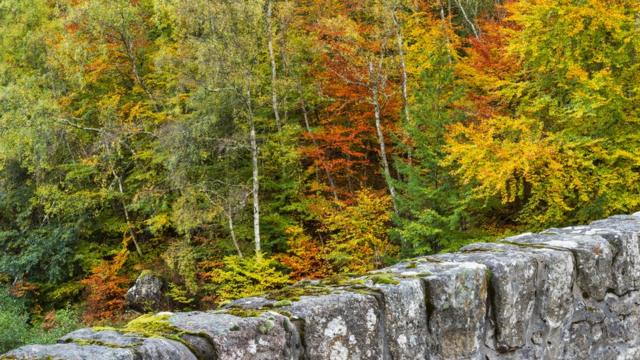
x,y
106,291
304,257
49,321
488,67
23,288
345,144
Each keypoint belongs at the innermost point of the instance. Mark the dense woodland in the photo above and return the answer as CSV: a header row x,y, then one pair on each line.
x,y
237,146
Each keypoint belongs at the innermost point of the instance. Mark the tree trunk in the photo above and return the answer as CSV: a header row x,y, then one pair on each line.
x,y
274,76
403,67
256,181
126,213
468,20
233,234
447,32
374,83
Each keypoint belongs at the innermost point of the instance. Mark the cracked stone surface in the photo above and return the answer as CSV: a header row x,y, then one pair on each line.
x,y
340,326
268,336
70,352
553,306
592,253
456,298
512,285
405,318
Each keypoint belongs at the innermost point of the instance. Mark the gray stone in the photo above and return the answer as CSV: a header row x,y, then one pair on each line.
x,y
456,298
592,253
405,318
553,296
145,348
254,302
578,341
70,352
622,235
147,294
340,326
512,280
622,322
266,337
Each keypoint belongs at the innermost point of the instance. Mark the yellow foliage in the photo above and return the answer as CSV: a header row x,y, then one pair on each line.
x,y
501,154
358,240
244,276
425,36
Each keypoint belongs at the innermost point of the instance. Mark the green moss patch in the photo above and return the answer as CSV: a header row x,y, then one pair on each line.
x,y
383,278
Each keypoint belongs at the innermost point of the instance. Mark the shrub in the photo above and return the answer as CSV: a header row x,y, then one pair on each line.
x,y
17,328
106,291
358,240
304,256
14,319
244,276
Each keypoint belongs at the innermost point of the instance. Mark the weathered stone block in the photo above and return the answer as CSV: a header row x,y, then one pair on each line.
x,y
512,295
456,299
340,326
622,235
405,318
265,337
553,297
70,352
145,348
592,253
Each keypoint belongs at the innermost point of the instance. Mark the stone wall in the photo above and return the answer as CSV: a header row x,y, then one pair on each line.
x,y
570,293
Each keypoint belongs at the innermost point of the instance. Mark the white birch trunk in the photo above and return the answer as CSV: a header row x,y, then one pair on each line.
x,y
468,20
403,67
274,75
255,180
374,83
232,230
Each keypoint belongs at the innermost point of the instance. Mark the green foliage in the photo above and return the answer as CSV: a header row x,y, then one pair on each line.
x,y
17,326
241,277
181,258
179,295
65,293
14,330
561,142
431,203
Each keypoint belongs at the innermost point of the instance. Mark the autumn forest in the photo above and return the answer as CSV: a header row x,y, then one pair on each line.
x,y
236,146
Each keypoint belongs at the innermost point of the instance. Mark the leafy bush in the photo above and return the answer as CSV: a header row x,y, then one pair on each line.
x,y
358,240
304,256
17,327
13,321
106,290
180,257
244,276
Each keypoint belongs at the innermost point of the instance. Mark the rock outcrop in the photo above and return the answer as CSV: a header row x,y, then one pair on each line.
x,y
147,294
569,293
